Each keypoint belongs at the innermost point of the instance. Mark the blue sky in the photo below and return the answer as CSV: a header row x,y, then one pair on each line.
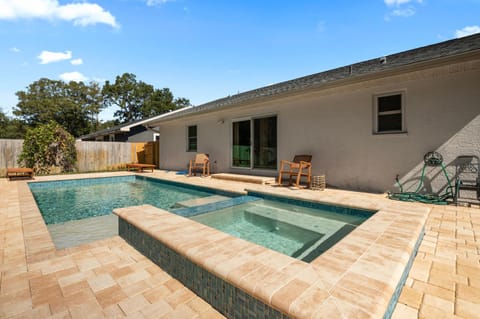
x,y
204,50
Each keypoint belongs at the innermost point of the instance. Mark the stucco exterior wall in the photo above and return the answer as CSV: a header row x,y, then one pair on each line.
x,y
335,125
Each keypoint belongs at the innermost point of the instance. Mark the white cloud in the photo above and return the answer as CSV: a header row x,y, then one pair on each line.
x,y
398,3
152,3
50,57
469,30
15,50
73,76
76,61
82,14
401,8
407,12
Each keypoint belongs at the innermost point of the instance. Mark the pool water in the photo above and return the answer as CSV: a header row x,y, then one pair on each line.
x,y
79,211
300,232
63,201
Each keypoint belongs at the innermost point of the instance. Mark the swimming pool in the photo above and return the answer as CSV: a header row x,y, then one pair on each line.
x,y
62,201
291,229
79,211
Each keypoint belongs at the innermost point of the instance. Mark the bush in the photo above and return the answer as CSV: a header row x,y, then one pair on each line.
x,y
47,147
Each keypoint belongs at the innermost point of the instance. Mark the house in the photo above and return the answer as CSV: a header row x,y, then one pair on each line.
x,y
127,132
363,123
135,132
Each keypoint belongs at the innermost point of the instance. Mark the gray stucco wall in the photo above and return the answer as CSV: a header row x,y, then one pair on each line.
x,y
335,125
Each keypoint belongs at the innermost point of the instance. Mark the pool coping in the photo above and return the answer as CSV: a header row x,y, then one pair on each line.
x,y
355,277
359,276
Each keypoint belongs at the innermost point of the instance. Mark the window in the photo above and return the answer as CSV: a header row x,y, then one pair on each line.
x,y
254,143
389,113
192,138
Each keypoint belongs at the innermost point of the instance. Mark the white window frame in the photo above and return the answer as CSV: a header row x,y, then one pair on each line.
x,y
188,138
376,114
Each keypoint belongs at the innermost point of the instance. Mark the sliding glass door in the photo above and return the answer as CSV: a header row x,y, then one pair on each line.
x,y
241,152
259,135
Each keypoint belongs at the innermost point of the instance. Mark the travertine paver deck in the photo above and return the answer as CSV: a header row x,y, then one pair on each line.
x,y
444,281
105,279
110,279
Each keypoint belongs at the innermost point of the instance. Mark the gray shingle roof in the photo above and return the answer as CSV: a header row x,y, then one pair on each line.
x,y
113,129
376,66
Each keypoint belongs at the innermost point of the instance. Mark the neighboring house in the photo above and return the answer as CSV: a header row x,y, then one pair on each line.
x,y
363,123
137,131
128,132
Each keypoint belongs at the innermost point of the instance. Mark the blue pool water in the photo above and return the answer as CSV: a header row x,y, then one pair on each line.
x,y
291,229
79,211
62,201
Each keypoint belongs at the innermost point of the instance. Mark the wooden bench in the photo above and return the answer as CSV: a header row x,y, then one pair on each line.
x,y
140,167
19,172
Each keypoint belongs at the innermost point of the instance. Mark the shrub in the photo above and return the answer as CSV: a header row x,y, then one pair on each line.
x,y
48,146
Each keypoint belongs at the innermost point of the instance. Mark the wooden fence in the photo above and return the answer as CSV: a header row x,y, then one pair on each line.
x,y
91,156
9,152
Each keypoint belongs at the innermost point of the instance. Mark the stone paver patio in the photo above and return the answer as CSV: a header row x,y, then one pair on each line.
x,y
110,279
444,281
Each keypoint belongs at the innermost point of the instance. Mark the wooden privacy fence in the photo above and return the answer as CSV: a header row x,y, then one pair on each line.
x,y
147,153
91,156
9,152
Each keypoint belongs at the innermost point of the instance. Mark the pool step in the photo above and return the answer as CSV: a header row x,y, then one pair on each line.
x,y
314,223
328,228
202,201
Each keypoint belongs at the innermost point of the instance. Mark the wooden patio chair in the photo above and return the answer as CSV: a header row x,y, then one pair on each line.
x,y
201,161
300,166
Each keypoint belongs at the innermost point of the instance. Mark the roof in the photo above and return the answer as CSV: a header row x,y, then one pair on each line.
x,y
358,71
125,127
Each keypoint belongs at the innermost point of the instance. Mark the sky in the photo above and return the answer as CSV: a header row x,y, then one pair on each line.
x,y
206,50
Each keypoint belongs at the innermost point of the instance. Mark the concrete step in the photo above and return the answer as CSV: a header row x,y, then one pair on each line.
x,y
202,201
245,178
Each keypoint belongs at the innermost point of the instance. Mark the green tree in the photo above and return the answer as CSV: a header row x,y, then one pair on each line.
x,y
108,124
162,101
48,146
73,105
94,104
128,94
11,128
137,99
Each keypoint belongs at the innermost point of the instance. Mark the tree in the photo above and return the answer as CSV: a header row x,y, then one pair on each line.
x,y
94,104
73,105
108,124
48,146
162,101
137,99
11,128
128,94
